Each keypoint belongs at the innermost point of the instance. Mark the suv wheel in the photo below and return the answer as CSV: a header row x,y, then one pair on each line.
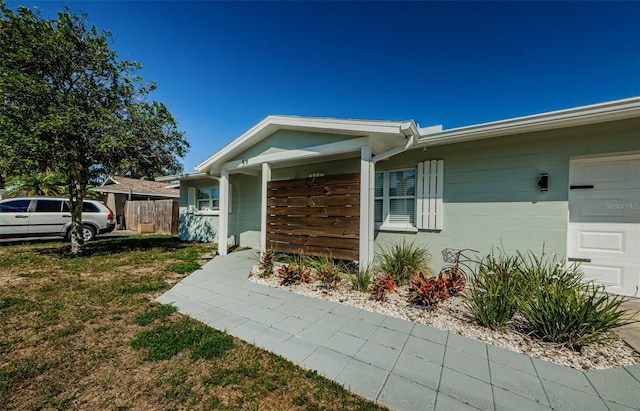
x,y
88,233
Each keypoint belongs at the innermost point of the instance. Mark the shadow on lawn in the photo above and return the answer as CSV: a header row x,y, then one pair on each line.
x,y
117,245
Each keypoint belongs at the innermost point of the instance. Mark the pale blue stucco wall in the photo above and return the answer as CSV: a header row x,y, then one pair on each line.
x,y
490,194
196,227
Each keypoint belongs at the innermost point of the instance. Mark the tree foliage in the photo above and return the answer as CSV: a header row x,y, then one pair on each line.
x,y
69,105
50,184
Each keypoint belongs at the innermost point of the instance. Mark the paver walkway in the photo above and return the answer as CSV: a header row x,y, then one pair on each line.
x,y
401,364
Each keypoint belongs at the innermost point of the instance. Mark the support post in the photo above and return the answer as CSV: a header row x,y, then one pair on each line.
x,y
266,177
223,221
366,207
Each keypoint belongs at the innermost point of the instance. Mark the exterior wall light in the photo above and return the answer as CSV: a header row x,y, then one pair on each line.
x,y
543,182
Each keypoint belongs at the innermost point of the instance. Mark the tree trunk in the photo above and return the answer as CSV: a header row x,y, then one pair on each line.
x,y
76,195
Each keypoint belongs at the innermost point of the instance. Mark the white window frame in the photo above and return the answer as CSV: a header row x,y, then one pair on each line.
x,y
194,202
207,204
385,224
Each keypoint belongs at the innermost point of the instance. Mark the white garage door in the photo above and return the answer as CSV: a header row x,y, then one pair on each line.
x,y
604,221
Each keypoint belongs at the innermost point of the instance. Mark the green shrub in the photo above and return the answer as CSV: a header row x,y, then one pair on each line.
x,y
402,259
493,292
558,305
573,315
361,278
328,271
538,270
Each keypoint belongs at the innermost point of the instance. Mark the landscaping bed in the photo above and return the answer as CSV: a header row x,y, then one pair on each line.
x,y
452,314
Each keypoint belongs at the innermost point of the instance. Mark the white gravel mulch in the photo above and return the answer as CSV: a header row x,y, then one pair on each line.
x,y
454,316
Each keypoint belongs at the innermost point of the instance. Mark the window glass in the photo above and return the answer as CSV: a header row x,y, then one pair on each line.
x,y
378,211
48,206
379,184
402,183
209,198
15,206
86,207
395,203
90,208
402,211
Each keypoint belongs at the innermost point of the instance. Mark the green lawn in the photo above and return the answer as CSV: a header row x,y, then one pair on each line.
x,y
86,333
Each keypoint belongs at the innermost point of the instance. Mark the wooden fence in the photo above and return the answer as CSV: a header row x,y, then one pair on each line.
x,y
316,216
162,214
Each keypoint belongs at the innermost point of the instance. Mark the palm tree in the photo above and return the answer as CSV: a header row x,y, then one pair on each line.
x,y
40,184
50,184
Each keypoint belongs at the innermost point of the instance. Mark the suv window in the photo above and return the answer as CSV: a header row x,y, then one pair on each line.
x,y
48,206
90,208
86,207
15,206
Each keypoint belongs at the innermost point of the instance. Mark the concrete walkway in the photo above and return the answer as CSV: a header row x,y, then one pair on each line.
x,y
401,364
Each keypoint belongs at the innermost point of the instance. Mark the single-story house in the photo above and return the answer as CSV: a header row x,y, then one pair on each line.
x,y
565,181
116,190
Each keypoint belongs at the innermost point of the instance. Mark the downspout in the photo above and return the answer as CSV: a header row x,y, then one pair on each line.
x,y
212,176
410,132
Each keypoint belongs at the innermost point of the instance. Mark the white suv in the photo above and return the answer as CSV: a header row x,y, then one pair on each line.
x,y
48,216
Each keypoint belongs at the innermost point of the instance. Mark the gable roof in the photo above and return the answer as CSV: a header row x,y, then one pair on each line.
x,y
126,185
382,131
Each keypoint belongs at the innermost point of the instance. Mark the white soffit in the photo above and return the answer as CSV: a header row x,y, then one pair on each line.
x,y
577,116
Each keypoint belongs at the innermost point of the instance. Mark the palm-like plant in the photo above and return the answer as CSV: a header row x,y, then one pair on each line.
x,y
50,184
40,184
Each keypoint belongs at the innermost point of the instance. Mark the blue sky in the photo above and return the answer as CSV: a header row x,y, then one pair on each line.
x,y
221,67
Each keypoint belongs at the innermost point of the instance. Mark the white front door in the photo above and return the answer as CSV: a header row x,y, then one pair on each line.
x,y
604,221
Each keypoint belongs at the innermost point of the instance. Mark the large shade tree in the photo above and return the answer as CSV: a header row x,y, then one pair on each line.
x,y
69,105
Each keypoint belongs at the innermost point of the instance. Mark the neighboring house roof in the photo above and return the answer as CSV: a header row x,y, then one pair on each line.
x,y
126,185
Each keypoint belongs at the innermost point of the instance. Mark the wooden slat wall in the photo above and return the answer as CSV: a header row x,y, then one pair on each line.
x,y
164,214
316,216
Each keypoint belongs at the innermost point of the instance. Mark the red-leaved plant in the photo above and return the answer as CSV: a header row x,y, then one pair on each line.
x,y
430,291
382,286
294,274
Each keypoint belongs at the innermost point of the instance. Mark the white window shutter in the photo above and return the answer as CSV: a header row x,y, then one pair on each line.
x,y
191,196
421,197
429,195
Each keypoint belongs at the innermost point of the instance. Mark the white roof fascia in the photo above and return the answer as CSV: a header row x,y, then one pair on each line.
x,y
430,130
596,113
318,124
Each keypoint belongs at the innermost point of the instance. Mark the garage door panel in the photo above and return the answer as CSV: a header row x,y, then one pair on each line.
x,y
613,206
605,242
604,221
620,240
606,174
617,277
